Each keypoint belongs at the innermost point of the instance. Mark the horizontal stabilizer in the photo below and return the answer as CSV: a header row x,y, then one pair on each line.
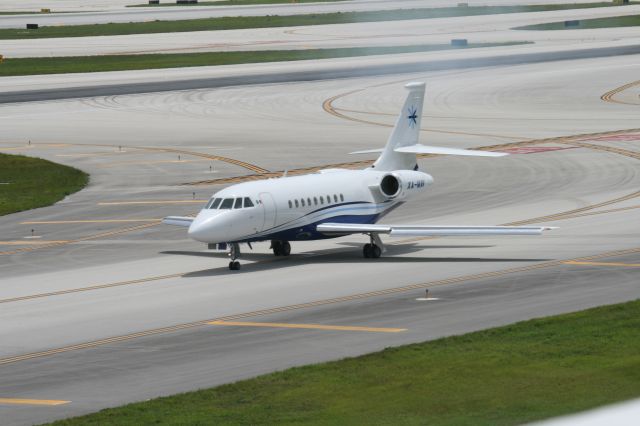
x,y
368,151
428,231
177,220
426,149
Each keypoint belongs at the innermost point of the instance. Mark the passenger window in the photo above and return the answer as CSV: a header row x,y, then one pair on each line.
x,y
341,197
238,204
321,199
290,205
335,198
315,201
247,202
309,202
328,199
302,202
296,203
227,203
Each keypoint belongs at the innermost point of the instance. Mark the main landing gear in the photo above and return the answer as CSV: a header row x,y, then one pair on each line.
x,y
234,253
281,248
374,249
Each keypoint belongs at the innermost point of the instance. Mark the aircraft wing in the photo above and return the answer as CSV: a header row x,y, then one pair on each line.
x,y
428,231
178,220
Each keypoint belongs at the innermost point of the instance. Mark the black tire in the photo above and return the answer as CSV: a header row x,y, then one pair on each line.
x,y
236,265
376,251
285,249
231,266
366,251
277,247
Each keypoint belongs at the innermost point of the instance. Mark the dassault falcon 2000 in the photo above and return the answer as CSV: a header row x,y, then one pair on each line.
x,y
333,202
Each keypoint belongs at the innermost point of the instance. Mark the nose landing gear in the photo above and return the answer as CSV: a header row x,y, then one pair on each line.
x,y
374,249
281,248
234,253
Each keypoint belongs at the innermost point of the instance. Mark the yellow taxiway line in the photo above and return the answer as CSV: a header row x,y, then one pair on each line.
x,y
21,401
31,242
307,326
56,222
630,265
122,203
131,163
610,95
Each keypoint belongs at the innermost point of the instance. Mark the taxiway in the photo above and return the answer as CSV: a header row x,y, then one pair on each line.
x,y
102,305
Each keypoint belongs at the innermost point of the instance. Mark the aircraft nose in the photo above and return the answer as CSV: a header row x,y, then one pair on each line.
x,y
197,229
204,229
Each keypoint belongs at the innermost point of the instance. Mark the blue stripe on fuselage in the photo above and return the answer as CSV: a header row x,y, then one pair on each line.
x,y
308,231
368,206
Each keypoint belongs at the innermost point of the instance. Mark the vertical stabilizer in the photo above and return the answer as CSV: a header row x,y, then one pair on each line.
x,y
405,133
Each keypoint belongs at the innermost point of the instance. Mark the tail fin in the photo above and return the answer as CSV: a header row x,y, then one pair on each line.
x,y
405,133
402,148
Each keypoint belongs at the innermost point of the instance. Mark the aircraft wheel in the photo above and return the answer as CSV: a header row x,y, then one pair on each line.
x,y
375,251
366,251
277,247
285,249
234,265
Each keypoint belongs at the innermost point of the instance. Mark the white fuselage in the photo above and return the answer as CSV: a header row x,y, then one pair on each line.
x,y
290,208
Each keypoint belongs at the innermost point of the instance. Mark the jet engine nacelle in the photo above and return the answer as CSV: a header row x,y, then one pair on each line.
x,y
401,184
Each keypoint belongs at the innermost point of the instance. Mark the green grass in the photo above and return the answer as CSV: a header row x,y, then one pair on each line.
x,y
503,376
228,23
27,183
230,3
57,65
615,22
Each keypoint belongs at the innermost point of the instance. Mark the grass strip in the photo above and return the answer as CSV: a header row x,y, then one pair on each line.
x,y
583,24
509,375
243,22
230,3
27,183
75,64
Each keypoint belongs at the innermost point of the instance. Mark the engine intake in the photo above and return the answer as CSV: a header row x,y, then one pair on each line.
x,y
390,186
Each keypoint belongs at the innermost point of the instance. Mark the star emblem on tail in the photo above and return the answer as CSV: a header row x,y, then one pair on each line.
x,y
412,117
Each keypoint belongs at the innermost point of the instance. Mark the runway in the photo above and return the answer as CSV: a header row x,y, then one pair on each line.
x,y
91,12
101,305
71,86
476,29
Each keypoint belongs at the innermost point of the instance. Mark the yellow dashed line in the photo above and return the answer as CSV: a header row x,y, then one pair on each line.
x,y
307,326
20,401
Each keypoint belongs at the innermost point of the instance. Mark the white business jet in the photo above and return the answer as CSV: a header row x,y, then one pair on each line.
x,y
333,202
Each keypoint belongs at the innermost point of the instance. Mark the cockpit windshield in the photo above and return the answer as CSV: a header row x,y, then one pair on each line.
x,y
229,203
213,203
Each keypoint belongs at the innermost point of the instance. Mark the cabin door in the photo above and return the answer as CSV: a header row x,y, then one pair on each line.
x,y
269,209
